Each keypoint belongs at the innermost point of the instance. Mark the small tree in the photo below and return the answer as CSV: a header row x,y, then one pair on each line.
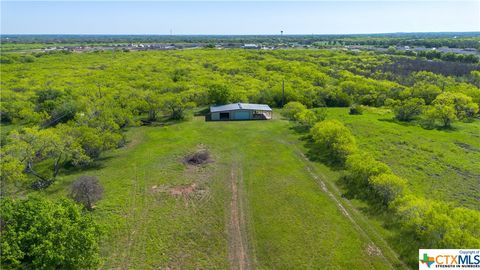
x,y
356,109
387,187
444,113
407,110
320,113
334,138
464,107
86,190
308,118
361,167
291,109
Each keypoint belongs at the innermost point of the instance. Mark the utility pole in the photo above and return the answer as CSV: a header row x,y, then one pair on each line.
x,y
283,92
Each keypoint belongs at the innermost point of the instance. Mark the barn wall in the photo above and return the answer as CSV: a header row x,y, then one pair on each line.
x,y
215,116
234,115
242,115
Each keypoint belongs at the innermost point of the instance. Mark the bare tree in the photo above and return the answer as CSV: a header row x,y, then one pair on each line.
x,y
86,190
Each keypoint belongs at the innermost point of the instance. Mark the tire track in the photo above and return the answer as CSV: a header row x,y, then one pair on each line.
x,y
345,212
238,245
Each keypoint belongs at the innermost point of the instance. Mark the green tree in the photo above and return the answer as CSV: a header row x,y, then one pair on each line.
x,y
306,118
32,146
463,105
427,92
152,104
433,224
444,113
361,167
42,234
176,106
11,172
219,94
356,109
407,110
292,108
92,140
334,138
387,187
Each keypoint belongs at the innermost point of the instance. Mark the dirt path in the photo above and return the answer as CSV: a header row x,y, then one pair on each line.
x,y
237,242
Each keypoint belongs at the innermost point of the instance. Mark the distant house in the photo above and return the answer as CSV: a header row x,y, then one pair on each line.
x,y
239,111
251,46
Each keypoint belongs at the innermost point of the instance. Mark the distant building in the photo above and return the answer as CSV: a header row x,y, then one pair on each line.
x,y
251,46
239,111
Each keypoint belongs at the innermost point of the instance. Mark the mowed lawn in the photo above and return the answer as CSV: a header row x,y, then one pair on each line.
x,y
438,164
290,221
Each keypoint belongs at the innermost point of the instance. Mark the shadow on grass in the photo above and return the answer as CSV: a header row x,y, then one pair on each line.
x,y
95,166
418,123
402,123
161,123
314,152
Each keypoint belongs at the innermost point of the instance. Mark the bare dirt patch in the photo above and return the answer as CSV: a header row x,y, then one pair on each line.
x,y
373,250
198,158
182,190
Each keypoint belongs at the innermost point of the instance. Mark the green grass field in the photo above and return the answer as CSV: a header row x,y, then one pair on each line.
x,y
260,203
438,164
287,215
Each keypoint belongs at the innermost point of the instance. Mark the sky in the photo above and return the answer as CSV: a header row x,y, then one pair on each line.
x,y
237,17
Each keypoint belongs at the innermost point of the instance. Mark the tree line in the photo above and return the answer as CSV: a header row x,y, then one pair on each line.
x,y
419,222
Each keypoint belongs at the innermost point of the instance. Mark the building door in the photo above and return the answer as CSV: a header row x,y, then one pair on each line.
x,y
224,116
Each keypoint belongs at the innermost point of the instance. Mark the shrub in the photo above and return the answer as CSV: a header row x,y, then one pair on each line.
x,y
387,187
408,109
361,167
449,106
320,113
308,118
291,109
444,113
42,234
433,224
334,138
356,109
86,190
463,105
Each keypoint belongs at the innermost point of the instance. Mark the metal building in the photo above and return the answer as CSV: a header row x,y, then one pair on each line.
x,y
240,111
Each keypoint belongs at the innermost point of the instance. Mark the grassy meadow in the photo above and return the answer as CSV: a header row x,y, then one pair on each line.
x,y
438,164
283,203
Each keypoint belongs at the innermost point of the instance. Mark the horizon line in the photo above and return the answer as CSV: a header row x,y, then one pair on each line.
x,y
263,34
